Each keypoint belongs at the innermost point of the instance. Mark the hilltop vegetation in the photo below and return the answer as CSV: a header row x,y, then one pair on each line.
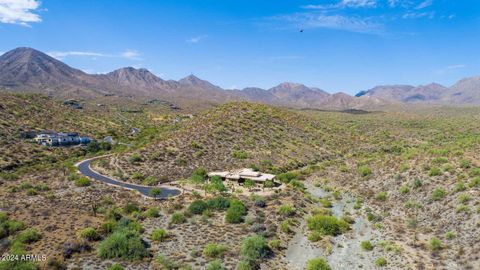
x,y
231,136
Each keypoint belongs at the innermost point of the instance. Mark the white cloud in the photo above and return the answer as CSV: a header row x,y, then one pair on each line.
x,y
417,15
458,66
19,12
425,4
345,4
127,54
196,39
131,54
339,22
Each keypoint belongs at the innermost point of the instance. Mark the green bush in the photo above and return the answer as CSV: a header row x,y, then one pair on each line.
x,y
286,210
381,196
131,207
116,267
459,186
213,250
218,203
82,182
434,171
235,212
125,244
255,248
435,244
89,234
197,207
475,182
244,265
364,171
366,245
152,212
135,158
327,225
178,218
380,262
239,154
318,264
438,194
159,235
215,265
465,164
404,189
28,236
274,243
167,263
288,177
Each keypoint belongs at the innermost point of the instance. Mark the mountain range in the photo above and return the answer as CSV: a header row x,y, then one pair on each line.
x,y
29,70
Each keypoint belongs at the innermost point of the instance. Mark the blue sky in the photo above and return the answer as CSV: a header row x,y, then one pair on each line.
x,y
347,45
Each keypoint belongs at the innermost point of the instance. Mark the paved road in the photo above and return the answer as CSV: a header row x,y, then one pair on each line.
x,y
84,168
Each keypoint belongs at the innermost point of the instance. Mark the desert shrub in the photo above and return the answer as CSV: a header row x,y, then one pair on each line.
x,y
239,154
288,177
274,243
218,203
199,175
318,264
463,198
244,265
434,171
159,235
155,192
235,212
465,164
438,194
254,248
167,263
109,226
150,181
286,210
450,235
82,182
380,262
259,201
417,183
459,186
28,236
475,182
381,196
215,265
31,192
213,250
325,203
364,171
216,185
404,189
366,245
435,244
440,160
197,207
178,218
327,225
315,236
285,226
116,267
125,244
89,234
130,207
135,158
152,212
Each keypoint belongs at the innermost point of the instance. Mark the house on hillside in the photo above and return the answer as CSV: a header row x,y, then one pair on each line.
x,y
242,175
61,139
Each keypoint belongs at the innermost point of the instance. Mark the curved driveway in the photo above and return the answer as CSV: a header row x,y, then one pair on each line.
x,y
84,168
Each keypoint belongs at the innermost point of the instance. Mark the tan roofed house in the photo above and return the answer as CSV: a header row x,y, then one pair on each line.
x,y
244,174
